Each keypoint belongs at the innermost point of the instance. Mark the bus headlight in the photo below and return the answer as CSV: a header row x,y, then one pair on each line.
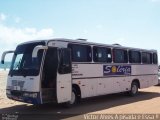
x,y
32,95
26,94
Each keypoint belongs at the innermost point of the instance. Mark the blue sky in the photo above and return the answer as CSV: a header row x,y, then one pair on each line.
x,y
134,23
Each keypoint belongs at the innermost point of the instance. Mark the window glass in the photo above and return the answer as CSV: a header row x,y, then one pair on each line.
x,y
134,56
120,56
147,58
102,54
155,61
22,63
80,53
65,61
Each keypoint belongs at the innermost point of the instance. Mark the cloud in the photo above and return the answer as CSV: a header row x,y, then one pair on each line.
x,y
10,37
2,17
17,19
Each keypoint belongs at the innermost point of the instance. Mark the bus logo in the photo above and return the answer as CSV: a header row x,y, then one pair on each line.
x,y
116,70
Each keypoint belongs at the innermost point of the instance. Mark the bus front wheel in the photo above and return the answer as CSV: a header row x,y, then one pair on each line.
x,y
73,101
134,89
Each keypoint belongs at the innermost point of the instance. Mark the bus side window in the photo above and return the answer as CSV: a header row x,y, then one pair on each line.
x,y
134,56
146,58
80,53
120,56
102,54
155,60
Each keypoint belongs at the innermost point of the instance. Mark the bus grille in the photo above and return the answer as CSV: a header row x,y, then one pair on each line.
x,y
16,93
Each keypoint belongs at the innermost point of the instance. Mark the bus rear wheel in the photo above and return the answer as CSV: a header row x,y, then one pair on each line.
x,y
134,89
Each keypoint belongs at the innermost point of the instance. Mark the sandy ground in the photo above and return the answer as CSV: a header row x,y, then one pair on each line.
x,y
3,99
146,102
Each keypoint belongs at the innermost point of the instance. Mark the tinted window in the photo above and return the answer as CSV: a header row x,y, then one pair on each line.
x,y
23,64
134,56
147,58
120,56
102,54
65,61
155,61
80,53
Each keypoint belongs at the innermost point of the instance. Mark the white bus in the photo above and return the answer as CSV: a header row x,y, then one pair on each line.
x,y
65,71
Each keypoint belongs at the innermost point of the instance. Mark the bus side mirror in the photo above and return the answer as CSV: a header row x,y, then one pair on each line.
x,y
4,54
64,61
36,49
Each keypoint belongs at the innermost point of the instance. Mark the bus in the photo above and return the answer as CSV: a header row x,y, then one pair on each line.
x,y
68,70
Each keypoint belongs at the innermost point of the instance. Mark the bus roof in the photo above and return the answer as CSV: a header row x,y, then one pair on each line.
x,y
84,41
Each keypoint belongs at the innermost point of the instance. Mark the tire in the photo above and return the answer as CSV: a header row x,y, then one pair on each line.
x,y
74,99
134,89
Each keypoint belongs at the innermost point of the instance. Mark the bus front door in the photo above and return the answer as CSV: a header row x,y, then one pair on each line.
x,y
64,81
49,76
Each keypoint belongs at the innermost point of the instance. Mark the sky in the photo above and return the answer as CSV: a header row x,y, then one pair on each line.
x,y
132,23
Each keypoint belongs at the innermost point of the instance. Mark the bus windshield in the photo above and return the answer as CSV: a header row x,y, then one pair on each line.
x,y
23,64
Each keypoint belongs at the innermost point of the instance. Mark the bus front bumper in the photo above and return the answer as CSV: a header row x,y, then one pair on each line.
x,y
23,96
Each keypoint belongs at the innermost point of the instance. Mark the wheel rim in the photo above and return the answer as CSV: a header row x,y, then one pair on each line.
x,y
134,89
73,97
